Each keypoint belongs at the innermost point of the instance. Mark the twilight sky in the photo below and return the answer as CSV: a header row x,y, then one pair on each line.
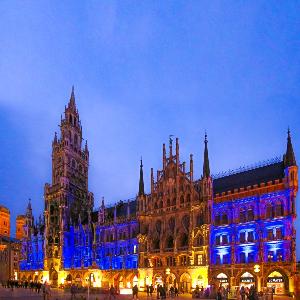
x,y
143,70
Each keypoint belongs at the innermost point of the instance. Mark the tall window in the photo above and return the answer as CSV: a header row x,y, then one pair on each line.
x,y
270,256
224,239
199,259
251,257
242,216
269,211
279,233
217,219
224,219
279,255
218,240
242,237
250,214
270,234
242,258
183,260
226,259
278,209
250,236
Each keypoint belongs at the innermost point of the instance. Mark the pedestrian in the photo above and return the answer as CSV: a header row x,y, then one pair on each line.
x,y
151,289
112,293
135,291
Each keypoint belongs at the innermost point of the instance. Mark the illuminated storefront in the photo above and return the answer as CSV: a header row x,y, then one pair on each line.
x,y
276,281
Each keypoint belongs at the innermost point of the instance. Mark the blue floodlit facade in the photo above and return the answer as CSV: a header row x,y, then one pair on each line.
x,y
233,229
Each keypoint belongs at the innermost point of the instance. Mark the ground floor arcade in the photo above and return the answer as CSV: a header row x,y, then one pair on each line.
x,y
277,278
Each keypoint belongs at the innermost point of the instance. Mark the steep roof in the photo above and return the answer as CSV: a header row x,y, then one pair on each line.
x,y
249,177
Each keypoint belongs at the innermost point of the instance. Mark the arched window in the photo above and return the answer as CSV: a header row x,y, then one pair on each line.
x,y
70,119
161,204
181,199
188,198
186,222
199,241
73,163
155,205
75,139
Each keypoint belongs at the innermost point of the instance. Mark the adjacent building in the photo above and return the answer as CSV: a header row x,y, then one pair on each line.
x,y
236,228
9,248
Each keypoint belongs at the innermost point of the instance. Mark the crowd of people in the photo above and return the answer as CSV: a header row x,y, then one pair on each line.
x,y
33,286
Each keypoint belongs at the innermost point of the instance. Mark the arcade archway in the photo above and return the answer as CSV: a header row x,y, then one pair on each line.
x,y
54,278
247,280
278,281
185,283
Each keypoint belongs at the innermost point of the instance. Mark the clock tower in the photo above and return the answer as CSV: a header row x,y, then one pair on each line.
x,y
67,198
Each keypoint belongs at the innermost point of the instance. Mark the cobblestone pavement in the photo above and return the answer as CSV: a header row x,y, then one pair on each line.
x,y
26,294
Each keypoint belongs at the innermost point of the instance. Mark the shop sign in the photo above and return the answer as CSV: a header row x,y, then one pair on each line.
x,y
223,280
247,279
275,279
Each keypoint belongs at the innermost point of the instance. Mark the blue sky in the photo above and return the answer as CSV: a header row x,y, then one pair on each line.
x,y
143,70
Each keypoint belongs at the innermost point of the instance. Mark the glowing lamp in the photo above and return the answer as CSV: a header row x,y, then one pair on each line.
x,y
168,271
257,268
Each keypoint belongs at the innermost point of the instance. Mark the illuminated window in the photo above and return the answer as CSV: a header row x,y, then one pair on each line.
x,y
183,260
270,256
199,259
134,249
279,256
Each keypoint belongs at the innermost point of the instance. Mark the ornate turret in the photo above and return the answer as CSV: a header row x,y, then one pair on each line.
x,y
141,182
206,170
289,156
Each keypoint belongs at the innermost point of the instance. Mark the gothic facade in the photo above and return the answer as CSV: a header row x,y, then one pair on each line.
x,y
234,229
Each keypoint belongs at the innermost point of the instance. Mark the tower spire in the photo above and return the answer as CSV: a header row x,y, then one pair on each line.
x,y
206,170
72,103
141,183
289,157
